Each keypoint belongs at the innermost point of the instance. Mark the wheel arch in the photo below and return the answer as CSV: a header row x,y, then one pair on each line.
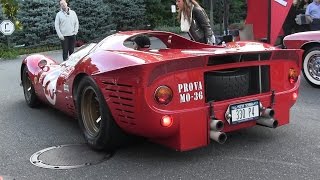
x,y
21,70
308,46
76,83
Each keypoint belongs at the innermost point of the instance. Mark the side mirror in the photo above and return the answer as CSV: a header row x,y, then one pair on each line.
x,y
42,64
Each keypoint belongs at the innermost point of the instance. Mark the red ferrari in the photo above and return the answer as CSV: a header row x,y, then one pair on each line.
x,y
178,93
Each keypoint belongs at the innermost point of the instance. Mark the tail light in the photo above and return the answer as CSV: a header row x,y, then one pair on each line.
x,y
163,95
293,76
166,121
295,96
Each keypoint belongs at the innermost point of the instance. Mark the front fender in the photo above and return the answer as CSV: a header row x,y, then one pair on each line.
x,y
31,63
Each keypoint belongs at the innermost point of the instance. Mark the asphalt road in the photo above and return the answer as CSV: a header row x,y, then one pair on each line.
x,y
288,152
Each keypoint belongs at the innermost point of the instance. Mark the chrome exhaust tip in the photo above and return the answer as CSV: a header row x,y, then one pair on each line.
x,y
216,125
268,113
219,137
267,122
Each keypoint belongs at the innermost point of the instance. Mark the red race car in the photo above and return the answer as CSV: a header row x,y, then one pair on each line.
x,y
176,92
310,43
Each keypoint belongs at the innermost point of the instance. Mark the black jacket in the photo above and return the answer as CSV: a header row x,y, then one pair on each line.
x,y
200,29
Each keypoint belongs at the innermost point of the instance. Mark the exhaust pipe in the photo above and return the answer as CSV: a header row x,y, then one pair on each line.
x,y
216,125
219,137
267,122
268,113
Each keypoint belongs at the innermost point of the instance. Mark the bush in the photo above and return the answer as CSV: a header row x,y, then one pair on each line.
x,y
94,23
7,53
12,53
158,13
128,15
37,19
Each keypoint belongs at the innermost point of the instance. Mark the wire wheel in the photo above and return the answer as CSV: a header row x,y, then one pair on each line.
x,y
311,66
90,111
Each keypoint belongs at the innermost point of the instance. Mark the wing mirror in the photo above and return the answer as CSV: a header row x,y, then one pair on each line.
x,y
42,64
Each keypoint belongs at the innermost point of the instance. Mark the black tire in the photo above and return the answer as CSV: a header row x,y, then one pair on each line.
x,y
28,89
311,66
223,85
103,133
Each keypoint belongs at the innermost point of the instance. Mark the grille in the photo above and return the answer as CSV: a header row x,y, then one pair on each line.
x,y
121,97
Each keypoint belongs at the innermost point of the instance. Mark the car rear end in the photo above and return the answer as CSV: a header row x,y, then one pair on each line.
x,y
187,102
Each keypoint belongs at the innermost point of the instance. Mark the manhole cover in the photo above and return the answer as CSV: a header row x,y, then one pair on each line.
x,y
68,157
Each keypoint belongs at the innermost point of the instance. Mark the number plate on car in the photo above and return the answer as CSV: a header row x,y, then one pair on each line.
x,y
243,112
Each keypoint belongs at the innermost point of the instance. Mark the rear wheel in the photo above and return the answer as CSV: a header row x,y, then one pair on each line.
x,y
95,119
28,89
311,66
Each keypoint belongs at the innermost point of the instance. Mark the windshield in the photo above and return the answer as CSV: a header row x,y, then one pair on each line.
x,y
79,54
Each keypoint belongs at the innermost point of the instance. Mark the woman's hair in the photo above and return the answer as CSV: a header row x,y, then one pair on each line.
x,y
186,8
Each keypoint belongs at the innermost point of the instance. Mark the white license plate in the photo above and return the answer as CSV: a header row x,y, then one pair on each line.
x,y
244,112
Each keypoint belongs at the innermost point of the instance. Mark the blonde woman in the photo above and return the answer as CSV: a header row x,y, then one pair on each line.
x,y
195,21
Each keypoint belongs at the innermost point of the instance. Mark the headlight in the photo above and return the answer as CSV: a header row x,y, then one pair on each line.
x,y
163,95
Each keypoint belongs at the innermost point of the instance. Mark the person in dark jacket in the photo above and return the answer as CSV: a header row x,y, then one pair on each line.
x,y
195,21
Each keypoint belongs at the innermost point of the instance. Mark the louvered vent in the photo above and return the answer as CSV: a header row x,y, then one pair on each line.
x,y
121,96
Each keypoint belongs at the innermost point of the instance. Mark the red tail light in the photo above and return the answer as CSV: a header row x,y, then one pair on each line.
x,y
166,121
293,76
163,95
295,96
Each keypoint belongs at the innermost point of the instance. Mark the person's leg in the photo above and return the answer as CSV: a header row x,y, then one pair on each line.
x,y
315,25
64,44
72,41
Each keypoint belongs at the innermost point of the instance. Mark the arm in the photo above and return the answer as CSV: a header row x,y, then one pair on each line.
x,y
57,27
308,14
76,28
308,11
203,21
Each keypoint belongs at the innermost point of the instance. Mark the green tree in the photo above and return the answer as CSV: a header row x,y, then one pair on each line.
x,y
2,37
95,19
158,13
10,8
37,19
128,14
238,11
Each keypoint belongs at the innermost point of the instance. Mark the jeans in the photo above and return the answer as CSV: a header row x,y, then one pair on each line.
x,y
315,25
68,46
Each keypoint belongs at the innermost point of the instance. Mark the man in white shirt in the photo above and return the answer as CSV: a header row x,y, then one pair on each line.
x,y
67,26
313,13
